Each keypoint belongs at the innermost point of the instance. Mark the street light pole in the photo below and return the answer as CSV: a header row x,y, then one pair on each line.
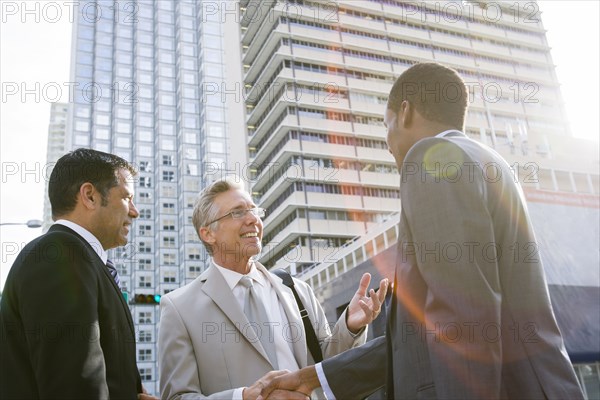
x,y
32,223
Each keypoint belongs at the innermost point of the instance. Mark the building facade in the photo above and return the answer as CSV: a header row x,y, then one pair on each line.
x,y
317,75
144,76
56,147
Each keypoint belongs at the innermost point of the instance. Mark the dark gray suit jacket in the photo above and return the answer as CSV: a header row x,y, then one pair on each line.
x,y
470,317
65,329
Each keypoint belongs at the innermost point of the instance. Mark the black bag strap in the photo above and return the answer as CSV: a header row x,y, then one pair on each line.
x,y
311,338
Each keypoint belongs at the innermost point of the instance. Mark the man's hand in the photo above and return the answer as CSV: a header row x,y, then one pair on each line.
x,y
252,392
363,309
291,385
145,396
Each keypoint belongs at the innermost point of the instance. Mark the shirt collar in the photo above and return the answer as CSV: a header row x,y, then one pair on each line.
x,y
448,132
87,235
233,278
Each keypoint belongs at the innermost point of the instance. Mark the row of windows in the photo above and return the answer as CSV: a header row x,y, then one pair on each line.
x,y
329,188
323,214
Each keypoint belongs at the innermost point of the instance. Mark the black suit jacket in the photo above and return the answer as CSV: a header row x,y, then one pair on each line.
x,y
65,330
470,317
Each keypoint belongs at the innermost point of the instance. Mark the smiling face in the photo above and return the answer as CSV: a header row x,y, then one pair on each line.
x,y
114,217
234,240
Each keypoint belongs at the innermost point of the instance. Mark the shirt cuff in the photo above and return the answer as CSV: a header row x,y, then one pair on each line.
x,y
323,382
238,394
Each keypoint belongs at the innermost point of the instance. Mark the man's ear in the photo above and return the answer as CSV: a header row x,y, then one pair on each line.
x,y
88,195
206,235
405,114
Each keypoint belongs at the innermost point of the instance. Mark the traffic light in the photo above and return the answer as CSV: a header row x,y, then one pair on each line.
x,y
146,299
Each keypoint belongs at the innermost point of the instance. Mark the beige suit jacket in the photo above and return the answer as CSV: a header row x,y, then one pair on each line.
x,y
203,348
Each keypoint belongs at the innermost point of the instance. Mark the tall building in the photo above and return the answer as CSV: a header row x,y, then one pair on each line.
x,y
56,147
142,71
318,74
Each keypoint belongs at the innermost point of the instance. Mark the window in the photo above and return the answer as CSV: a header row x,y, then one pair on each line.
x,y
145,230
144,264
169,259
145,181
168,208
146,373
144,317
145,336
145,247
145,166
169,277
168,225
168,176
145,282
145,214
169,242
194,254
145,354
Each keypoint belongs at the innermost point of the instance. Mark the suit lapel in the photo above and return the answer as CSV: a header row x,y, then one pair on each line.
x,y
217,289
286,297
97,263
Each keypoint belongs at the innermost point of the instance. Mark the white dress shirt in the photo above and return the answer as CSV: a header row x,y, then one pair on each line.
x,y
277,317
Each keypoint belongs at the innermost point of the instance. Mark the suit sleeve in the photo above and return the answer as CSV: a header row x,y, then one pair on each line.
x,y
453,243
58,302
356,373
179,375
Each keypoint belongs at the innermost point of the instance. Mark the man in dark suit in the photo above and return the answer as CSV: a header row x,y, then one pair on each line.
x,y
470,316
65,330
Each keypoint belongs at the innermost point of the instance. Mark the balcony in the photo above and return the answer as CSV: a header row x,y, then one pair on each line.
x,y
328,200
451,41
367,130
363,64
368,25
383,179
399,49
310,54
325,125
377,86
364,153
368,108
314,34
327,149
363,42
461,61
490,48
403,31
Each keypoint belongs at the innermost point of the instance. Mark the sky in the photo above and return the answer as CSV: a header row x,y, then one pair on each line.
x,y
35,43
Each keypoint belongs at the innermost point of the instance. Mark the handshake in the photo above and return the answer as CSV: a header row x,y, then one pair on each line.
x,y
284,385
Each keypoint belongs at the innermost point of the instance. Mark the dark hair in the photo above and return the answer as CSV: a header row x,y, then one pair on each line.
x,y
78,167
437,92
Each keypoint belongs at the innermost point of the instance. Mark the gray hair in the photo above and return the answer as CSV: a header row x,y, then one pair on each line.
x,y
205,209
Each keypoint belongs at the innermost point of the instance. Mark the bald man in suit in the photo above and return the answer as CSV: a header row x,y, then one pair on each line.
x,y
470,316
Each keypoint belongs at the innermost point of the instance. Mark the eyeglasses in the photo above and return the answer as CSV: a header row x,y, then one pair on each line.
x,y
237,214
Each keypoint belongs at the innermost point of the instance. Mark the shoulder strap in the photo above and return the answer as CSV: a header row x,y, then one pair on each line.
x,y
311,338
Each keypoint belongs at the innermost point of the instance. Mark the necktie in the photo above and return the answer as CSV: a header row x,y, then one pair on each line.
x,y
113,271
257,315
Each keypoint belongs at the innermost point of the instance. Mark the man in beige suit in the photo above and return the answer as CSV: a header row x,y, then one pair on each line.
x,y
208,347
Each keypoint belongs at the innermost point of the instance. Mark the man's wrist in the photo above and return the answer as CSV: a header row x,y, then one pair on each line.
x,y
309,378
